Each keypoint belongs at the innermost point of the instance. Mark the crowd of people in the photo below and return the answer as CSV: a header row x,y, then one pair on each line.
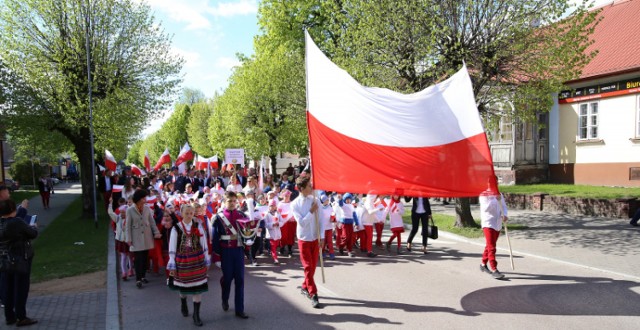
x,y
183,223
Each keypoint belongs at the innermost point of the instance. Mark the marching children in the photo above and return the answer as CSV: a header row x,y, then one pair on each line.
x,y
288,227
326,224
367,220
493,212
272,222
122,249
189,261
395,209
347,217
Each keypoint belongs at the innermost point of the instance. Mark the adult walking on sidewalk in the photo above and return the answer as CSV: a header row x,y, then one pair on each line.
x,y
189,261
140,231
493,212
45,191
420,214
15,240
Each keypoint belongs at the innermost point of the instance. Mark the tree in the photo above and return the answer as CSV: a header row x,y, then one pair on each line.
x,y
173,133
134,153
191,96
263,116
197,131
521,51
133,72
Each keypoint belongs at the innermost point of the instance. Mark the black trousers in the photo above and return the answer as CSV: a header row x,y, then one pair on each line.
x,y
140,263
15,291
417,219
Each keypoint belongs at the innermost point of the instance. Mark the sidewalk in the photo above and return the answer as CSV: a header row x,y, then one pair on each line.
x,y
83,310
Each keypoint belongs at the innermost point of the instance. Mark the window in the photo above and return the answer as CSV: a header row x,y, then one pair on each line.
x,y
588,122
542,126
506,129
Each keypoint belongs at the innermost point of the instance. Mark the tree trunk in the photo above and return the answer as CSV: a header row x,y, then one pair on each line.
x,y
463,213
83,150
274,163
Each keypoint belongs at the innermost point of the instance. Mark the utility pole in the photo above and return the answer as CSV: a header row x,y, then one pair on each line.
x,y
93,161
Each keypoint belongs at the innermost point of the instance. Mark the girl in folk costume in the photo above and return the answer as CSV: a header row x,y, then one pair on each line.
x,y
327,218
272,222
288,226
189,261
395,209
122,249
165,230
367,220
204,222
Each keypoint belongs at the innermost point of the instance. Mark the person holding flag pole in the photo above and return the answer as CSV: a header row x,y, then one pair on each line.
x,y
305,211
493,213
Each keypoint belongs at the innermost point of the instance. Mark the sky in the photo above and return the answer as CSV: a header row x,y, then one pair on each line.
x,y
208,34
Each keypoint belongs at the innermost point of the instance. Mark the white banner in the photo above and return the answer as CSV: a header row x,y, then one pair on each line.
x,y
234,156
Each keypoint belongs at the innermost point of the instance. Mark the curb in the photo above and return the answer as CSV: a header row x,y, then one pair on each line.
x,y
112,321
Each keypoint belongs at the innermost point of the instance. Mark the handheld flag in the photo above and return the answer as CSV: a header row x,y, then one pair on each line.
x,y
164,159
109,161
185,154
147,161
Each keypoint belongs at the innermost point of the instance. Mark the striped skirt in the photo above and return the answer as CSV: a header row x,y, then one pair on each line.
x,y
191,273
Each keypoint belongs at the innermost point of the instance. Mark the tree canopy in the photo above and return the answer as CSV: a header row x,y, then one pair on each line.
x,y
133,71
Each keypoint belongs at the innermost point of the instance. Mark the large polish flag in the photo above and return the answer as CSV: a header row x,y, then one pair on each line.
x,y
147,161
109,160
185,154
164,159
429,144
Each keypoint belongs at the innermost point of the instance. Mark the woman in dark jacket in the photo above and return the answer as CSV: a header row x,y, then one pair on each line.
x,y
15,239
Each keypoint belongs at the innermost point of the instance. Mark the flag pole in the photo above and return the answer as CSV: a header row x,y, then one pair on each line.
x,y
315,192
315,200
506,233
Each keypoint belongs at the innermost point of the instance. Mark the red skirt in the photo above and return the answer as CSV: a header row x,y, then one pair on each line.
x,y
122,247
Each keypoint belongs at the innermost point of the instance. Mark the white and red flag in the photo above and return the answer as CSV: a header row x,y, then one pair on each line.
x,y
135,170
204,163
164,159
185,154
117,188
261,175
102,169
374,140
147,161
109,161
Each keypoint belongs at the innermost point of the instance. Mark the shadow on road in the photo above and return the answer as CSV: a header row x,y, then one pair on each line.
x,y
582,296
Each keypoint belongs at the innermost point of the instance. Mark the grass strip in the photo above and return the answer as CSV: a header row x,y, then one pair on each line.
x,y
59,254
570,190
19,196
447,223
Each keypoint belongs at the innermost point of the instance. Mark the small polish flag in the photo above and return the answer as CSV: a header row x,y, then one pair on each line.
x,y
152,200
164,159
204,163
109,160
135,170
147,161
185,154
101,168
117,188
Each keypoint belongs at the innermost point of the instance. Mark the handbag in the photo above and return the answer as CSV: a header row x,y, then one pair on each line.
x,y
12,264
432,230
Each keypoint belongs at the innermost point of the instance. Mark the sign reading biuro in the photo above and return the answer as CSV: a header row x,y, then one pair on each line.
x,y
623,87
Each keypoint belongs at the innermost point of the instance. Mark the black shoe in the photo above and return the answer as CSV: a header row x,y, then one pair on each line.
x,y
225,306
485,269
11,322
196,314
352,254
139,284
305,292
341,252
242,315
184,308
497,274
282,251
315,303
633,223
145,281
25,322
371,254
409,247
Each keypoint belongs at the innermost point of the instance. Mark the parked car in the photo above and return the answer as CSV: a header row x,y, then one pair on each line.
x,y
55,180
12,185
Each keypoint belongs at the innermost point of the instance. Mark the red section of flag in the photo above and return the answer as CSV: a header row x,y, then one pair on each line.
x,y
341,163
135,170
117,188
